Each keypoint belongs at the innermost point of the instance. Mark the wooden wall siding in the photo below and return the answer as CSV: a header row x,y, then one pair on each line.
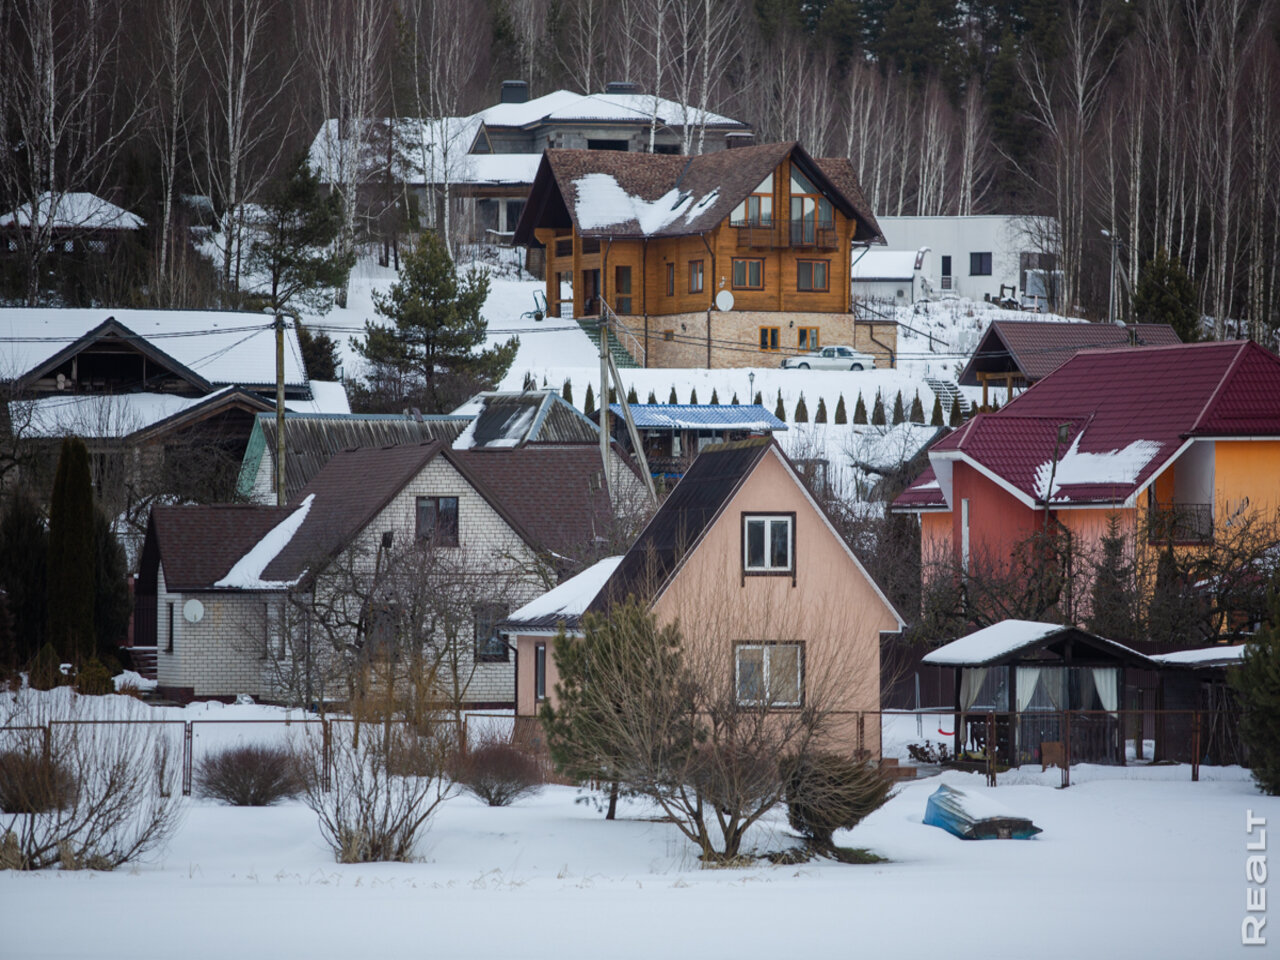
x,y
648,260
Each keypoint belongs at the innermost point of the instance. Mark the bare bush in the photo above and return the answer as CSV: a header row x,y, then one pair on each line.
x,y
368,811
33,783
498,773
254,775
123,800
827,792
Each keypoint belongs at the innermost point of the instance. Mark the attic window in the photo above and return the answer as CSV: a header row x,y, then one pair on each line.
x,y
757,209
768,543
437,521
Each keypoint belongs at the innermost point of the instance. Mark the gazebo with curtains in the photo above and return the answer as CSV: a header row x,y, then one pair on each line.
x,y
1041,680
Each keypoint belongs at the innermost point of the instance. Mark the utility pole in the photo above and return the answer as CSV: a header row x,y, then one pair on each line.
x,y
279,325
1111,299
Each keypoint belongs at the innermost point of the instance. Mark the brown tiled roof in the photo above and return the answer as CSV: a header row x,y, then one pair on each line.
x,y
199,544
1033,349
723,178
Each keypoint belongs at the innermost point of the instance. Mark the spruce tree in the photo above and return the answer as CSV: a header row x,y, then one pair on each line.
x,y
631,395
935,416
802,412
821,415
529,383
567,392
111,604
1113,606
877,411
842,416
589,404
734,401
955,416
1257,686
24,571
693,396
715,398
860,411
652,398
1165,294
779,410
899,415
613,395
759,400
71,555
917,409
672,398
320,357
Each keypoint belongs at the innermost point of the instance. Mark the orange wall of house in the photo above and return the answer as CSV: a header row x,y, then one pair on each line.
x,y
997,521
1247,468
832,609
935,535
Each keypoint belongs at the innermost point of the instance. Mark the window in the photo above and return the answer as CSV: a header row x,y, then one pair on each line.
x,y
767,543
979,264
757,209
768,338
695,276
168,647
491,646
812,275
946,266
811,212
808,338
769,674
622,290
748,274
273,643
540,671
438,520
671,279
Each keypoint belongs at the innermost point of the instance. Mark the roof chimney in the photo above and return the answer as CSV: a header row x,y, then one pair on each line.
x,y
738,138
621,86
515,91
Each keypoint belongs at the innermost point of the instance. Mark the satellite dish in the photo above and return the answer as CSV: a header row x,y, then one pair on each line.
x,y
724,301
193,611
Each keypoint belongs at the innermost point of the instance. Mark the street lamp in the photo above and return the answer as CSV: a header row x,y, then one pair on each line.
x,y
1111,299
751,379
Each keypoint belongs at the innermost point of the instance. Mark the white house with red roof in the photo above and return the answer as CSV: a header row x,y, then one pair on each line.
x,y
1175,441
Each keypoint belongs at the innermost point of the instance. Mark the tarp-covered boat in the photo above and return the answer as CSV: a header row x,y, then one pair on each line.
x,y
973,817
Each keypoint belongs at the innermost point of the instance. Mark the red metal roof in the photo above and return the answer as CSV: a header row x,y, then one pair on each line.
x,y
1033,349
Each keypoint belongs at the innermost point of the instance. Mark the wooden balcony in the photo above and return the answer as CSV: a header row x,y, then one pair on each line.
x,y
782,234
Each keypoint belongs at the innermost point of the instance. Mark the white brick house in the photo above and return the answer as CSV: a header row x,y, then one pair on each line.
x,y
277,602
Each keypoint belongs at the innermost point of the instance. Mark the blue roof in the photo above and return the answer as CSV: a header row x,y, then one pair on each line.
x,y
701,416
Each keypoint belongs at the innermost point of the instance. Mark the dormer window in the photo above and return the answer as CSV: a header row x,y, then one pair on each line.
x,y
757,209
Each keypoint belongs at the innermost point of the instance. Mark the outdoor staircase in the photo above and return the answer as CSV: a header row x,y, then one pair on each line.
x,y
621,357
144,660
949,392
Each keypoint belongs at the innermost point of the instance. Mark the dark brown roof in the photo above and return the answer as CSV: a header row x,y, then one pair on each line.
x,y
1033,349
199,544
687,513
715,182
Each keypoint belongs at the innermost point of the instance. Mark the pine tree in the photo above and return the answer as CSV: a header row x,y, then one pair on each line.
x,y
693,396
821,415
436,332
589,404
320,357
631,395
935,416
860,411
1257,686
566,392
613,395
779,410
842,415
899,415
715,398
652,398
1165,294
956,414
71,555
1113,606
529,382
734,401
802,412
673,399
877,411
111,604
759,400
917,409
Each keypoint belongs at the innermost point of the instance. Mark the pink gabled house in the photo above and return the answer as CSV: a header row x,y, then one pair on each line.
x,y
751,567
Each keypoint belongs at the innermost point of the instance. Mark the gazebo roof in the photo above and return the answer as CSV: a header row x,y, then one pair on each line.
x,y
1004,641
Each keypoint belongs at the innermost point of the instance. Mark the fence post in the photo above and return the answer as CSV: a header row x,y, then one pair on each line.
x,y
1066,749
991,749
1195,747
186,759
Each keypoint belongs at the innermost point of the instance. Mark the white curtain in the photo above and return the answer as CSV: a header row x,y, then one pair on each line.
x,y
1104,681
1053,680
970,683
1027,678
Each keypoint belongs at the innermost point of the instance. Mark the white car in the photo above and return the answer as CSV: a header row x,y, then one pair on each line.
x,y
831,358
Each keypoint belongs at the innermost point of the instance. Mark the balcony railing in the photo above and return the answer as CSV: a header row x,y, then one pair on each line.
x,y
771,234
1180,523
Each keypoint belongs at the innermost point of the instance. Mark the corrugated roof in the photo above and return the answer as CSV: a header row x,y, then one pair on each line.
x,y
1033,349
701,416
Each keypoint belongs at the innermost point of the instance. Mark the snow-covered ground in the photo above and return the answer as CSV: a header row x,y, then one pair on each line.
x,y
1133,862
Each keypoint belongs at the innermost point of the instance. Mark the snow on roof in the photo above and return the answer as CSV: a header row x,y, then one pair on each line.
x,y
97,415
569,599
1203,656
1110,467
75,210
992,643
885,265
701,416
565,105
221,346
603,203
327,396
246,573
